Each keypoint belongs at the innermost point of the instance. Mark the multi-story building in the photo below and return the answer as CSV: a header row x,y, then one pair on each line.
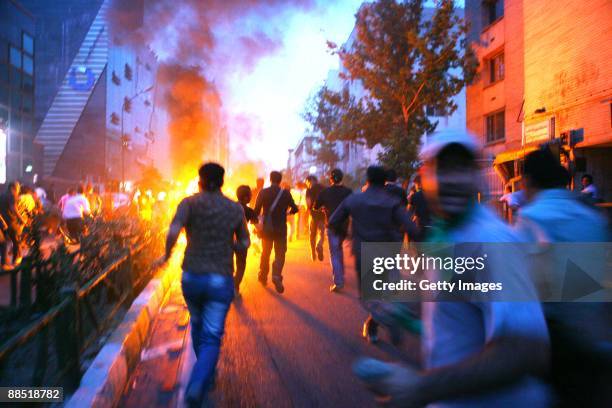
x,y
304,160
89,87
17,84
545,76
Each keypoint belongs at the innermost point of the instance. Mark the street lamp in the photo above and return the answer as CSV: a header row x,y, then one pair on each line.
x,y
125,140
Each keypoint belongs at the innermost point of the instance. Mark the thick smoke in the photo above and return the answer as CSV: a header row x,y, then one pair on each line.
x,y
199,44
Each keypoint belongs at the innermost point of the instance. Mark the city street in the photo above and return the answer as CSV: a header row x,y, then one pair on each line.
x,y
290,350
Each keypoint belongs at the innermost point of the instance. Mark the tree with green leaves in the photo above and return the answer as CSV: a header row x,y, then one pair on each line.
x,y
398,63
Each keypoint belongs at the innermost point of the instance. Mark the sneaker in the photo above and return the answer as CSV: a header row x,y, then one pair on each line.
x,y
263,280
313,256
278,285
336,288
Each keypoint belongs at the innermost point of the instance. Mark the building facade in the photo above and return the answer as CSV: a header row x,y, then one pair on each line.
x,y
89,87
18,152
545,76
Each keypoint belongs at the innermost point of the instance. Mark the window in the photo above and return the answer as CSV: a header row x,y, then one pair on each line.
x,y
28,65
495,126
3,73
492,10
4,95
15,99
14,142
496,68
27,43
27,105
15,78
27,125
15,57
28,84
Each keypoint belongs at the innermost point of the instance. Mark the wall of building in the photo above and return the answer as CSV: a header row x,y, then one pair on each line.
x,y
484,98
558,71
18,50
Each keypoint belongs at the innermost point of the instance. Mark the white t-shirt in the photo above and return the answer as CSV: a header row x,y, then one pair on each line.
x,y
591,191
76,207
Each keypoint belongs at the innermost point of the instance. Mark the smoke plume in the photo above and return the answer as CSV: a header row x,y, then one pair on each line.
x,y
199,44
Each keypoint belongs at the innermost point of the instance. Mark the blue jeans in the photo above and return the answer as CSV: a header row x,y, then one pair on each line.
x,y
336,256
208,298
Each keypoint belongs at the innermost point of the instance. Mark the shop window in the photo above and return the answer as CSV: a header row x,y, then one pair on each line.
x,y
495,126
15,57
27,43
492,10
496,68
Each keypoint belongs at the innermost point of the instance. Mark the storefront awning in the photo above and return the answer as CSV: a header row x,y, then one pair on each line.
x,y
513,155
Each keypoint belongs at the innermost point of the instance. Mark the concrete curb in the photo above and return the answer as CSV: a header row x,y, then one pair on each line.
x,y
104,381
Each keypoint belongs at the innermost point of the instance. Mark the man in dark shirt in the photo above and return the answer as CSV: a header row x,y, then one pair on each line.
x,y
317,218
377,216
215,228
329,199
274,203
244,195
418,208
394,188
13,223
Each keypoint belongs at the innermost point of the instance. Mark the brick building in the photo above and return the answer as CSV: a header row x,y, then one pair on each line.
x,y
545,71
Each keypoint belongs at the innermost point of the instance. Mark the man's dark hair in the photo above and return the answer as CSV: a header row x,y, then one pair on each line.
x,y
391,175
80,189
336,175
544,171
275,177
588,177
242,192
211,176
376,175
312,178
455,155
71,191
12,185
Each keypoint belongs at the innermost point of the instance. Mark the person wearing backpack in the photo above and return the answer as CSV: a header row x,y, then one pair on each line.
x,y
273,203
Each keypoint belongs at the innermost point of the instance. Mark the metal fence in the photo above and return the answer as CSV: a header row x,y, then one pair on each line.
x,y
49,350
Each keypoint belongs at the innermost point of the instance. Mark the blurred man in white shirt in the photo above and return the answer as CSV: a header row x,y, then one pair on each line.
x,y
75,208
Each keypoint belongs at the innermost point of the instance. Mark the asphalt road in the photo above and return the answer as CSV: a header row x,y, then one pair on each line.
x,y
289,350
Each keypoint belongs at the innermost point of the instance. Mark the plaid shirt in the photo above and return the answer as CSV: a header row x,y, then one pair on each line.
x,y
214,224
